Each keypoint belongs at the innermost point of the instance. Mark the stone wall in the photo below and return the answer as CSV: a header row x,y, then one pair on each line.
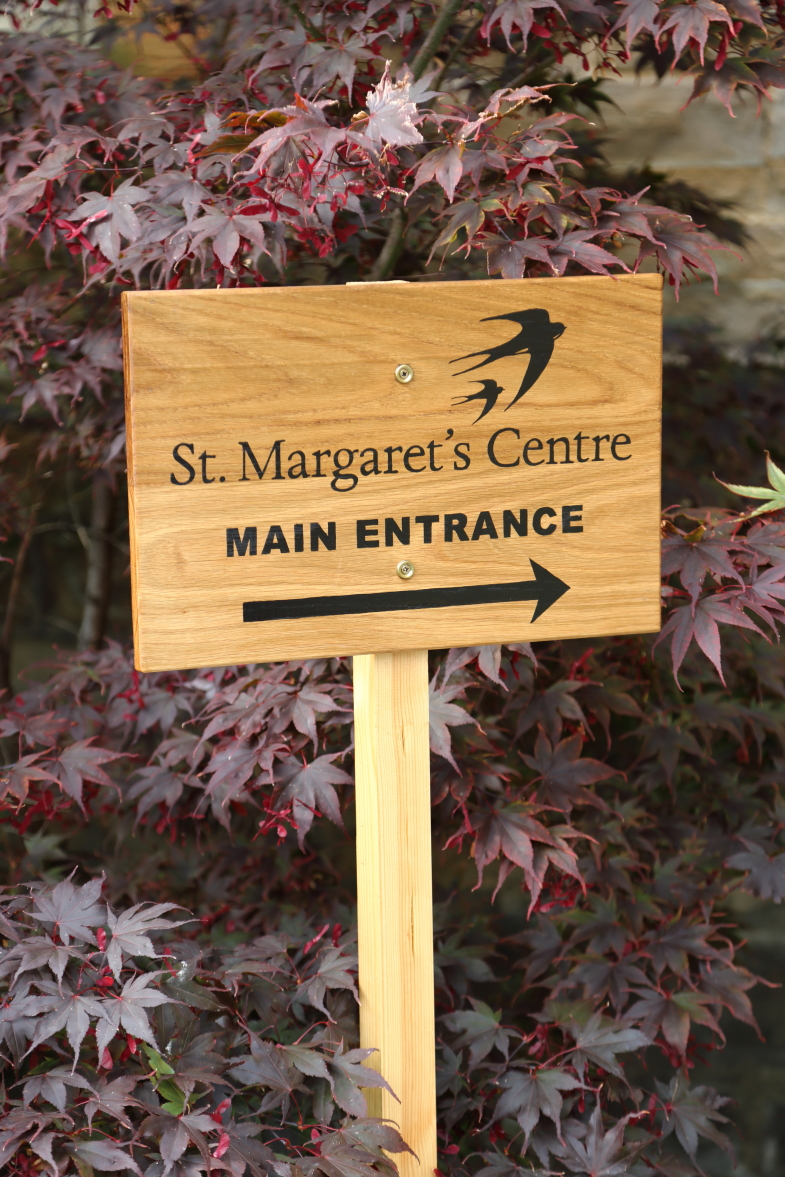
x,y
740,159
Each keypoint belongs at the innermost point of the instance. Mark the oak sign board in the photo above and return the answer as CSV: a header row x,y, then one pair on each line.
x,y
280,471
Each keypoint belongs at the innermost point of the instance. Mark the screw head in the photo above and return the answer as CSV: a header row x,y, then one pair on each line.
x,y
405,569
404,373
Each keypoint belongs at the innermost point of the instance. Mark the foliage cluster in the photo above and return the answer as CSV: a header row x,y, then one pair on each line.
x,y
617,806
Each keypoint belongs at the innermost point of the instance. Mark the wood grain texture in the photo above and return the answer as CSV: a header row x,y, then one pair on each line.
x,y
394,894
313,368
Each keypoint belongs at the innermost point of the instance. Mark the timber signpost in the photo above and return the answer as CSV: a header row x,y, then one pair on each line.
x,y
377,470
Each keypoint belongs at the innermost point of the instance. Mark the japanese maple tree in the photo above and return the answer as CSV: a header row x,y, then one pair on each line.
x,y
178,971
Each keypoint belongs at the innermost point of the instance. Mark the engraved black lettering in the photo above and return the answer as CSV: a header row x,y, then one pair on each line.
x,y
510,524
414,451
341,466
492,445
299,543
393,531
299,469
203,458
455,525
319,454
485,526
580,437
246,544
570,517
365,529
432,447
276,541
427,522
537,521
319,535
390,450
533,443
183,445
275,450
621,439
552,443
373,462
597,440
464,457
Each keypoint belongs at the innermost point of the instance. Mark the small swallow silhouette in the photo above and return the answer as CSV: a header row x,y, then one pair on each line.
x,y
536,337
490,394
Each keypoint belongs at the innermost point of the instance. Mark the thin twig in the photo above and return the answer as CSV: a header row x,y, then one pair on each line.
x,y
456,49
13,599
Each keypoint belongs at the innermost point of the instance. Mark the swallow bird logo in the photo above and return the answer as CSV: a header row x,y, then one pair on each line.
x,y
535,337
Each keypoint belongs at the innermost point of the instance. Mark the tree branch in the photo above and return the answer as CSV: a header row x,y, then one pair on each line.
x,y
391,250
427,50
97,582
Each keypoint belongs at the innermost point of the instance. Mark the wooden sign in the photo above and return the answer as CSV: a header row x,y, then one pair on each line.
x,y
349,469
392,467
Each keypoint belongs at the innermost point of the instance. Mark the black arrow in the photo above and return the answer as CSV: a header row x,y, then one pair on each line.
x,y
545,589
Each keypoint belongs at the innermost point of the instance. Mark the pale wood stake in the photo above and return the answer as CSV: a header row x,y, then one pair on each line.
x,y
394,893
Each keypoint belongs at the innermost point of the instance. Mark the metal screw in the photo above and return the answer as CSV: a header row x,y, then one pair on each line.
x,y
405,569
404,373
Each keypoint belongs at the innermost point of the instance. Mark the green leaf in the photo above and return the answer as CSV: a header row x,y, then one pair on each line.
x,y
156,1062
776,476
175,1098
775,501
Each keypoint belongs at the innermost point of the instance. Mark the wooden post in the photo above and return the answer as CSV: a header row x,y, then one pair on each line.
x,y
395,893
